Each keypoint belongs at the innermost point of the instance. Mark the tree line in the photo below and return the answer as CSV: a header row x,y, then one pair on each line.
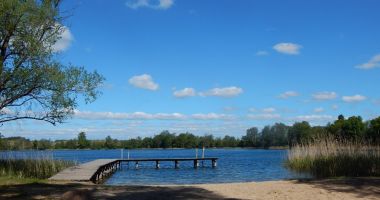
x,y
276,135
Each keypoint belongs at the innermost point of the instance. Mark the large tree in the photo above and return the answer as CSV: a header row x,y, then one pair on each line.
x,y
34,84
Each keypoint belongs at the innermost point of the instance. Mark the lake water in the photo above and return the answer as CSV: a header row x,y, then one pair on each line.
x,y
234,165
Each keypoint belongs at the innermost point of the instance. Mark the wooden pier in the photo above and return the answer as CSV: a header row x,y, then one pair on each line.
x,y
98,170
86,171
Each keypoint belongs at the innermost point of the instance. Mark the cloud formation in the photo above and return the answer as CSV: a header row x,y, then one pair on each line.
x,y
312,118
288,94
319,110
89,115
144,81
324,95
64,41
212,116
186,92
372,63
153,4
262,53
269,110
264,116
354,98
288,48
223,92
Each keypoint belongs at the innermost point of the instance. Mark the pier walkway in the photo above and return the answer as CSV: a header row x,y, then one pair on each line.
x,y
97,170
83,172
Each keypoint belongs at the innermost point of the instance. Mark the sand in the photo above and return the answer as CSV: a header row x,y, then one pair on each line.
x,y
347,189
300,190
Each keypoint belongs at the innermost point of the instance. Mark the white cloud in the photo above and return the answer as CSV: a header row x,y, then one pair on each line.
x,y
269,110
223,92
265,116
335,107
372,63
230,108
89,115
287,48
354,98
144,81
154,4
288,94
186,92
262,53
64,41
311,118
252,109
212,116
319,110
324,96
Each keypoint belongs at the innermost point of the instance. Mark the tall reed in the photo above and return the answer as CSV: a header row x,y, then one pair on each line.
x,y
331,158
31,165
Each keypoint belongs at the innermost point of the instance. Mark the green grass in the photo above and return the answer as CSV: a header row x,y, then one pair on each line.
x,y
329,158
38,166
11,180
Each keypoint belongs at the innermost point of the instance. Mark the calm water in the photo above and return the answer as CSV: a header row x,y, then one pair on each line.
x,y
234,165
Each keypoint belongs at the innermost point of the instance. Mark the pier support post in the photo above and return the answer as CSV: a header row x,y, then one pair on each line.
x,y
196,163
213,162
137,164
157,164
176,164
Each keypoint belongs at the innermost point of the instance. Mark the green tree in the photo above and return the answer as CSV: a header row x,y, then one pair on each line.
x,y
348,129
1,141
251,139
280,134
82,141
300,132
373,132
267,137
33,83
109,143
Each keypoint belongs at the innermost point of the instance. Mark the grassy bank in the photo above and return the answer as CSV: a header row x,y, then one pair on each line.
x,y
38,165
329,158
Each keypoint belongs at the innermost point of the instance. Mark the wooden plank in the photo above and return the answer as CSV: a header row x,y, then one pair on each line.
x,y
82,172
166,159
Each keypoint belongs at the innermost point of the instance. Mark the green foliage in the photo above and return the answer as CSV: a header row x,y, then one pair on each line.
x,y
352,128
109,143
82,141
251,139
33,84
373,132
32,166
300,132
277,135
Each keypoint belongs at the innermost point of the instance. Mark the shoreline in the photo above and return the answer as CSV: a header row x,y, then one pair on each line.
x,y
310,189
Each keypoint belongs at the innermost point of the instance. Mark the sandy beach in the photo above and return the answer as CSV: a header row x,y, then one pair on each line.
x,y
347,189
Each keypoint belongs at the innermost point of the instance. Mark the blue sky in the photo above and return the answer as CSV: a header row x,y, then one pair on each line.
x,y
217,66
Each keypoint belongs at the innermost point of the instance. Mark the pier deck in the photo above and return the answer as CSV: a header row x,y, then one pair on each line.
x,y
96,170
83,172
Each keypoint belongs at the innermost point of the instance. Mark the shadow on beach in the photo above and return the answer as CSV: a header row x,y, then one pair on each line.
x,y
360,187
82,192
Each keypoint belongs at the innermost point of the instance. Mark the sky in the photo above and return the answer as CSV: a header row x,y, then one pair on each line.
x,y
217,66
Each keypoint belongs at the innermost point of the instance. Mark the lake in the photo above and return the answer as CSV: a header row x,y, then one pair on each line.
x,y
234,165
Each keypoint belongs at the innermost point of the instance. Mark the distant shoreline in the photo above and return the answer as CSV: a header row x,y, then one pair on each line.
x,y
252,148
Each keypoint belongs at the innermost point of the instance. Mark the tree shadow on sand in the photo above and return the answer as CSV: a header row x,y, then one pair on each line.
x,y
361,187
84,192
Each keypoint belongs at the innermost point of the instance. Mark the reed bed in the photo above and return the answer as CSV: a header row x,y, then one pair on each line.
x,y
31,165
331,158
